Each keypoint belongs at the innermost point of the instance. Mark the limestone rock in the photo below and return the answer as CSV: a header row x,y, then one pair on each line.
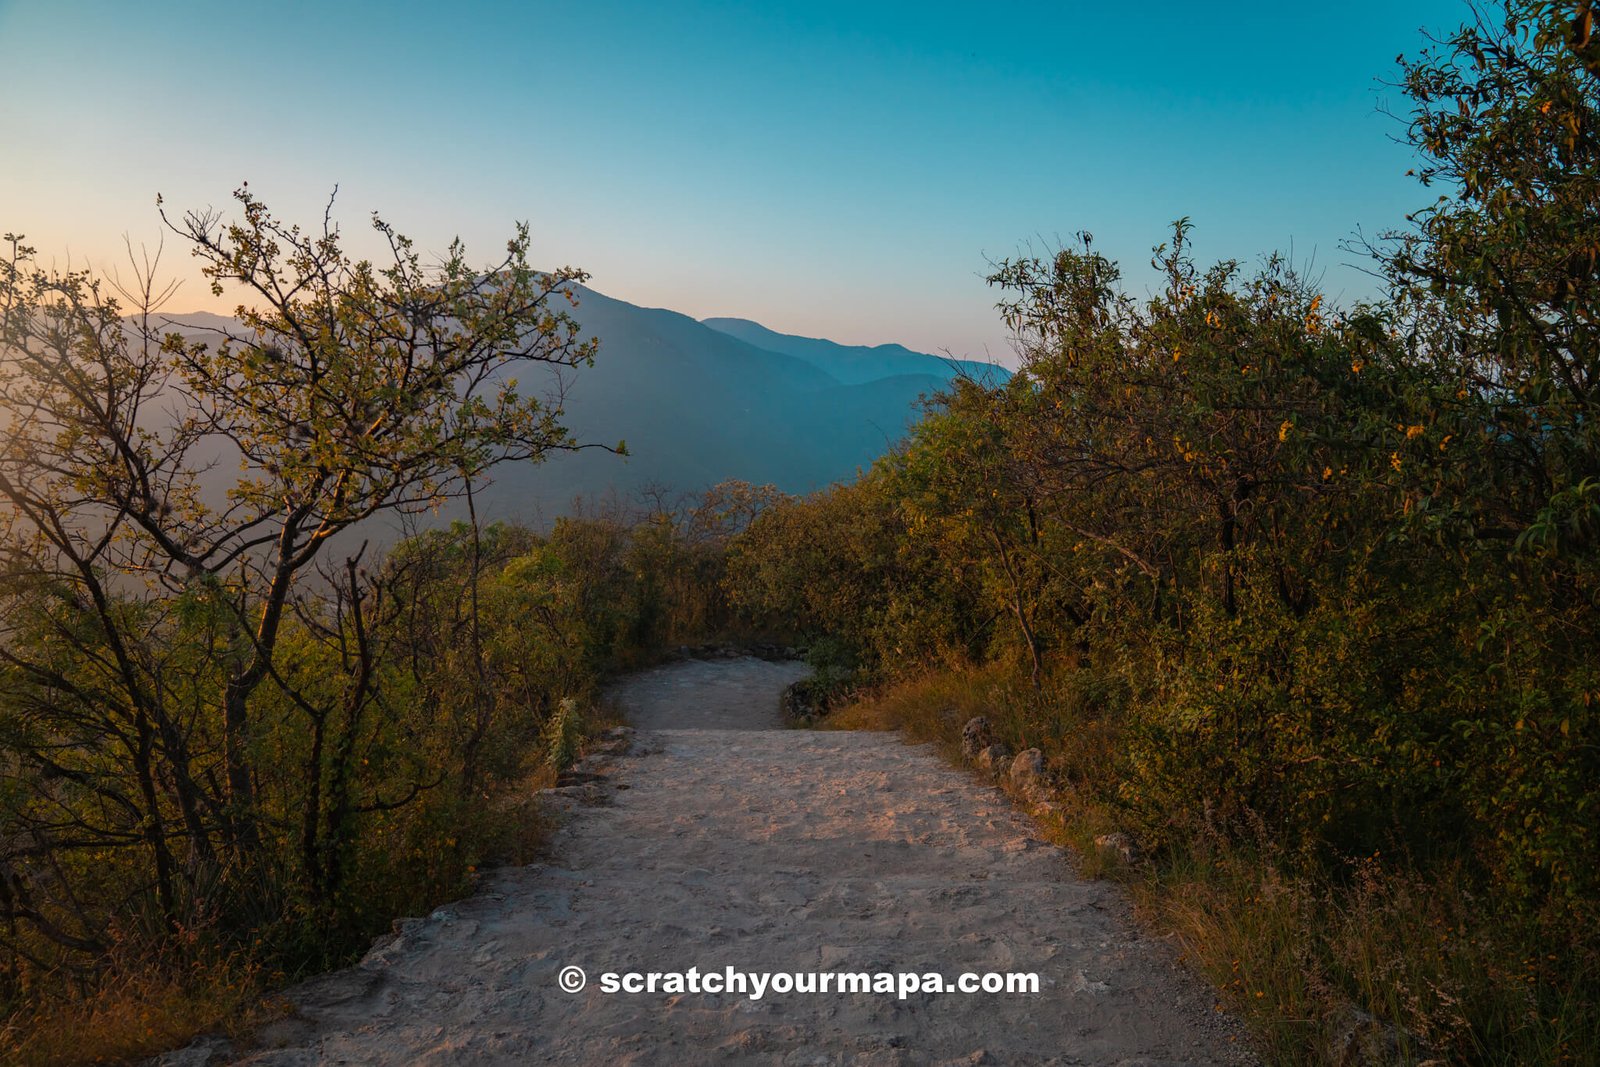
x,y
975,737
1363,1040
204,1051
992,760
1121,844
803,702
1027,772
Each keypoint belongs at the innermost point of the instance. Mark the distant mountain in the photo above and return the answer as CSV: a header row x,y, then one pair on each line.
x,y
855,364
700,403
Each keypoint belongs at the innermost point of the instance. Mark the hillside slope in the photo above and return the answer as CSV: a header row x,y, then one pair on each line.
x,y
699,405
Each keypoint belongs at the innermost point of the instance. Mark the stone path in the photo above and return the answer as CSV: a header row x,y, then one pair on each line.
x,y
720,841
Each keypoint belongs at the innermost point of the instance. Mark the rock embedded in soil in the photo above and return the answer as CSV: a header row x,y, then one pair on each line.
x,y
1121,844
1027,773
992,760
975,737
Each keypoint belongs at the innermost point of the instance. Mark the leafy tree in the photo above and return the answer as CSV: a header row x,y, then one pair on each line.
x,y
1501,270
1498,286
1178,439
148,594
967,498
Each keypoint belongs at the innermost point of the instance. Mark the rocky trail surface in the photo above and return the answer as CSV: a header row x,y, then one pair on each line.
x,y
718,839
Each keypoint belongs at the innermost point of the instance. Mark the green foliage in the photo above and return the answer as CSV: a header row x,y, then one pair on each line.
x,y
1501,271
221,736
1315,585
1332,570
484,646
189,694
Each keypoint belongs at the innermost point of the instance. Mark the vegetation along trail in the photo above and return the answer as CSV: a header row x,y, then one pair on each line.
x,y
719,839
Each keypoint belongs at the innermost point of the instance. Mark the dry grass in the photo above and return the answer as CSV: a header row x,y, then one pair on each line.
x,y
928,708
141,1015
515,829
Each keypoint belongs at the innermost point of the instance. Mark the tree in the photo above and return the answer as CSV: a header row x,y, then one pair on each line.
x,y
1185,437
1503,265
963,493
1499,280
146,595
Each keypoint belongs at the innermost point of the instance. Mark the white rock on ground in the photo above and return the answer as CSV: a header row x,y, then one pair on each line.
x,y
767,850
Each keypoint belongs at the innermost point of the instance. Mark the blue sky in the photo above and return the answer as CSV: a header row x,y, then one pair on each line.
x,y
840,170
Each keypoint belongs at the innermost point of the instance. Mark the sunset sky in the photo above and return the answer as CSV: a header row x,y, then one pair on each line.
x,y
830,169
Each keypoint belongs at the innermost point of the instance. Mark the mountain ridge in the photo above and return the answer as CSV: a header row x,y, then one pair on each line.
x,y
698,404
855,364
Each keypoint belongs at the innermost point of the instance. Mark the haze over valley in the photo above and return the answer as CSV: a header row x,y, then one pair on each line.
x,y
703,402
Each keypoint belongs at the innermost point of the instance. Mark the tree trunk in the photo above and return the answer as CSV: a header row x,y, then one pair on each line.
x,y
241,811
